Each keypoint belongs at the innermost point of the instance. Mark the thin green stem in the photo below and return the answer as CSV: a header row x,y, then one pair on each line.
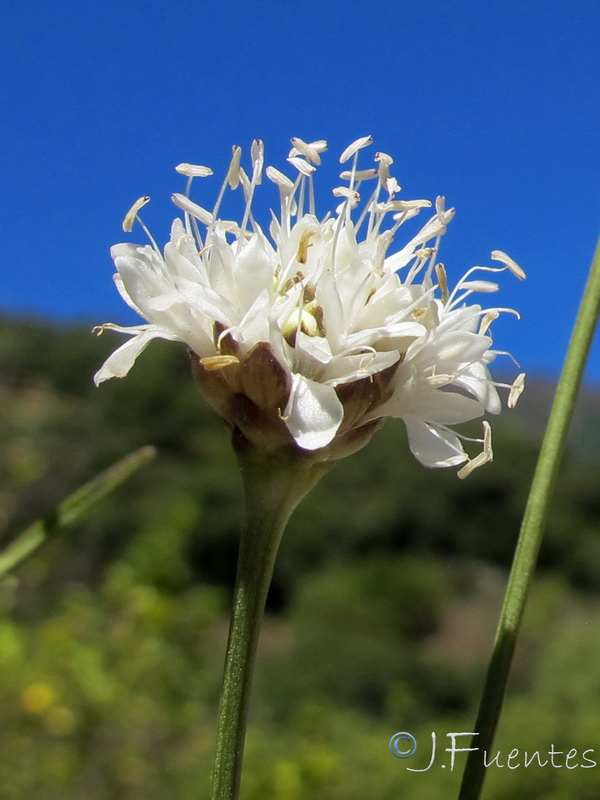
x,y
531,533
74,509
273,489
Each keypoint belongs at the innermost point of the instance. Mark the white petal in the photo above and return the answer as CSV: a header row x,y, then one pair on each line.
x,y
118,364
433,447
313,413
478,382
447,408
460,347
142,284
344,369
315,346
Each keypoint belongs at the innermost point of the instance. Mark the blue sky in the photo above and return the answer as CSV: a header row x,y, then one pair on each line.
x,y
494,105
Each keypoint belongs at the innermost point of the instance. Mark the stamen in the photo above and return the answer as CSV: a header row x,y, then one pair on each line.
x,y
405,205
353,148
349,194
187,205
453,300
233,173
383,242
193,170
424,253
213,363
440,380
301,195
131,215
499,255
484,457
442,277
257,154
286,186
384,166
312,208
301,165
358,175
516,390
306,149
303,245
392,186
368,209
487,321
249,186
286,193
485,287
232,178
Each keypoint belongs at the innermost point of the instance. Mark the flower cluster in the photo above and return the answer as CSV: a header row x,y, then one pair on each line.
x,y
311,335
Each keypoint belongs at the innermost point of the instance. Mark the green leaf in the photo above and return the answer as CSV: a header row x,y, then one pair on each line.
x,y
74,509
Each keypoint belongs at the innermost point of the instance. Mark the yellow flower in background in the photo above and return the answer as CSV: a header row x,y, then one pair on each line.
x,y
37,698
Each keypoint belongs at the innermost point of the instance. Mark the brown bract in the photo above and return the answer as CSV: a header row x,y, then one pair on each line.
x,y
251,393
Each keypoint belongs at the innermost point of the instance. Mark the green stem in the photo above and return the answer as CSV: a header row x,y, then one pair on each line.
x,y
273,489
74,509
531,533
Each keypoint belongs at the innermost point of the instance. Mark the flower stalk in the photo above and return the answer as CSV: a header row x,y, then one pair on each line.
x,y
532,529
274,485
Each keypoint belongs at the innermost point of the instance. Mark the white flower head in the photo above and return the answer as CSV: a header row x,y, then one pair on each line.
x,y
311,335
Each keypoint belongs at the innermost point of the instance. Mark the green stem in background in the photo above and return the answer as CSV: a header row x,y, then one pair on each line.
x,y
74,509
531,533
273,488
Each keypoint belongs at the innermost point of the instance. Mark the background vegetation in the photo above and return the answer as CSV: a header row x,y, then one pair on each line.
x,y
380,618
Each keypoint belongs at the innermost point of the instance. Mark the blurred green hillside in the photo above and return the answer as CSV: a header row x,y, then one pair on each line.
x,y
380,618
